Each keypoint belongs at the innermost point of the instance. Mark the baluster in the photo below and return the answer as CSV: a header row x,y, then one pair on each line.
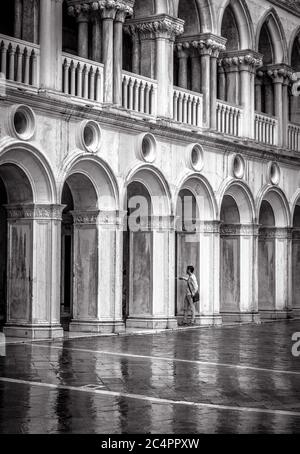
x,y
11,63
85,76
19,58
180,107
198,113
66,76
72,77
26,66
184,109
194,111
175,98
147,99
189,110
125,92
34,69
79,80
142,97
130,94
3,57
92,84
98,85
136,96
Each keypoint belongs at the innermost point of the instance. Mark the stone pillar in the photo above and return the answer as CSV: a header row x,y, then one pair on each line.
x,y
18,19
182,66
30,20
83,34
248,273
233,80
118,56
221,82
108,16
205,84
213,89
97,305
248,64
296,271
51,44
157,310
136,54
258,91
285,111
33,292
278,82
283,256
209,282
196,71
97,38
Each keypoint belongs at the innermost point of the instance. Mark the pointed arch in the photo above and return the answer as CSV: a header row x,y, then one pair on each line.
x,y
294,37
277,36
243,20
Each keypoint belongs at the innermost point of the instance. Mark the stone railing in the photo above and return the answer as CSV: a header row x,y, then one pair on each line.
x,y
294,137
19,60
187,107
82,78
229,118
139,93
266,128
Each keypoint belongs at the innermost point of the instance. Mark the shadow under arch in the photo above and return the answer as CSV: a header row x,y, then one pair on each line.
x,y
279,203
243,197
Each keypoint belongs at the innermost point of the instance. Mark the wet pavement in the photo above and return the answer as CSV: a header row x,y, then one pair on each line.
x,y
241,379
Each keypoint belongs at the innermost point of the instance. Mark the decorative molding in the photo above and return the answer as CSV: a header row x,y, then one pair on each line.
x,y
109,9
161,26
230,229
205,44
85,217
281,233
34,212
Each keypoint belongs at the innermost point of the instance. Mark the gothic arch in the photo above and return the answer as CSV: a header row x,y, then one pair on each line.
x,y
202,191
278,201
157,186
295,35
202,15
277,35
100,176
33,164
243,20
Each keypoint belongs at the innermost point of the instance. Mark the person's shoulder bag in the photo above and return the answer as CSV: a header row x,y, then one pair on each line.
x,y
195,297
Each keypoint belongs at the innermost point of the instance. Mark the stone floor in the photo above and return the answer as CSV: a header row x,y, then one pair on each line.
x,y
240,379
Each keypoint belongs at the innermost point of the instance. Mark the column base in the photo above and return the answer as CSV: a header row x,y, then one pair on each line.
x,y
273,314
33,331
204,320
151,322
101,327
296,312
240,317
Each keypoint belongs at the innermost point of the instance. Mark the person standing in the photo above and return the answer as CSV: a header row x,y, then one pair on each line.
x,y
191,290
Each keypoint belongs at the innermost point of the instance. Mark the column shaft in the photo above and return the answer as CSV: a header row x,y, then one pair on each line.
x,y
97,40
182,72
108,47
196,73
118,61
18,20
83,37
278,109
205,86
213,92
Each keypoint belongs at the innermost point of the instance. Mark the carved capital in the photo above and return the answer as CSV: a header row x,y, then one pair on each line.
x,y
108,9
34,212
162,26
281,74
244,60
204,43
85,217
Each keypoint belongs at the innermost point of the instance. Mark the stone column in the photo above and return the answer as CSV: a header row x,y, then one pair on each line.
x,y
283,256
258,91
97,38
83,34
278,110
29,18
18,19
51,44
285,111
182,66
196,71
221,82
248,273
209,282
231,66
108,16
213,89
33,290
205,84
118,55
248,64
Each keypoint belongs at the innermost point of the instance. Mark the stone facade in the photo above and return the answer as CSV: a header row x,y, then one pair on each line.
x,y
137,138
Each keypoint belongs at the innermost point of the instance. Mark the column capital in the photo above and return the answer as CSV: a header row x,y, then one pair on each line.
x,y
161,26
34,212
182,50
281,73
281,233
108,9
85,217
204,43
243,60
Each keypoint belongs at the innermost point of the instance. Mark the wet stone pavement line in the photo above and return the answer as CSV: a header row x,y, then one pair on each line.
x,y
242,379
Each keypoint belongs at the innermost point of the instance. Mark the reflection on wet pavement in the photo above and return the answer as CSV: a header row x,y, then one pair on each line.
x,y
178,382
